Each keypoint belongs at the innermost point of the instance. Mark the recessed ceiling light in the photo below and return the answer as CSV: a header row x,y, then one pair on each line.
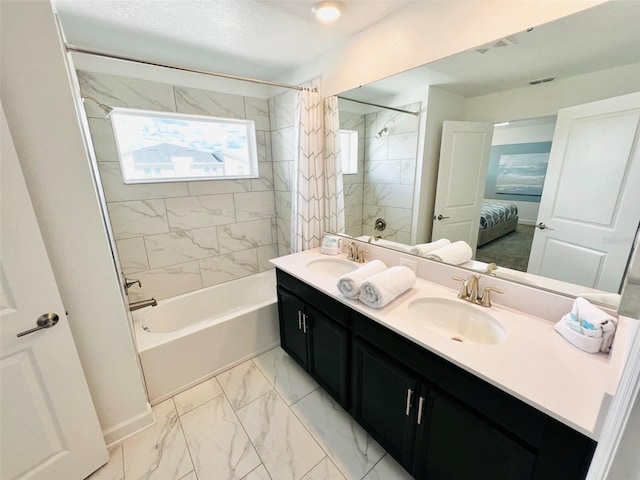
x,y
327,11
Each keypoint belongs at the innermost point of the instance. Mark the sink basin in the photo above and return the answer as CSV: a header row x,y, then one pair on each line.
x,y
456,320
331,267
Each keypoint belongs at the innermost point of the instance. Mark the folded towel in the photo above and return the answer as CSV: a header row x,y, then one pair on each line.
x,y
588,344
425,248
401,247
457,253
587,327
611,299
383,287
349,283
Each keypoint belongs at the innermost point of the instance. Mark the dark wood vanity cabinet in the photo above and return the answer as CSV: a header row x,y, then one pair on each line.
x,y
441,422
437,420
314,332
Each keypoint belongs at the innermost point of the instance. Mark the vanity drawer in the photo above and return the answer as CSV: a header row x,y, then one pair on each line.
x,y
325,304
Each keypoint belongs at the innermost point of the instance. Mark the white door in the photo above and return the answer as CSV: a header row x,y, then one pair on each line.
x,y
590,205
462,172
48,425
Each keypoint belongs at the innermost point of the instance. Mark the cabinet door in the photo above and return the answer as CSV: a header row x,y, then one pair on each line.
x,y
328,355
385,401
292,332
453,443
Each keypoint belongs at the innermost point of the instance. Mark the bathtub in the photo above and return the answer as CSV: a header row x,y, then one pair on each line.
x,y
189,338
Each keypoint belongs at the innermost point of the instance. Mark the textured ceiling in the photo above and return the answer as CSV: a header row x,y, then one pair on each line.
x,y
251,37
267,38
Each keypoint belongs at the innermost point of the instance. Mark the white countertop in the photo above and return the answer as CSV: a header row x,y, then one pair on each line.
x,y
535,364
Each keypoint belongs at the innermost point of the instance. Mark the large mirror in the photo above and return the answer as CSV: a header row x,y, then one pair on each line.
x,y
545,121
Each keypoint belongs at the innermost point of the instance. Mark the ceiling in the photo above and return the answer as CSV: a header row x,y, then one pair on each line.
x,y
268,38
260,38
599,38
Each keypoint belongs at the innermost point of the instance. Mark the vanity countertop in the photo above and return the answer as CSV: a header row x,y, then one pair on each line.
x,y
535,364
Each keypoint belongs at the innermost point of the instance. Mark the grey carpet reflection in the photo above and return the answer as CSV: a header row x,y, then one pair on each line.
x,y
511,250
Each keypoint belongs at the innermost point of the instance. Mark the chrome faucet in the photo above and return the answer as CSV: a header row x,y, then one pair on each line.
x,y
151,302
470,288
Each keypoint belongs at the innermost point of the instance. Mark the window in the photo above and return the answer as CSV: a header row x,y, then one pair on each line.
x,y
349,151
170,147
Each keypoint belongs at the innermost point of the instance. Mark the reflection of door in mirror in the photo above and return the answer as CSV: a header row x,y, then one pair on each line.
x,y
589,205
464,158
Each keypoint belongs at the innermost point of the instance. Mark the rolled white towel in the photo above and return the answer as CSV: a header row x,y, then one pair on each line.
x,y
425,248
457,253
383,287
400,247
349,283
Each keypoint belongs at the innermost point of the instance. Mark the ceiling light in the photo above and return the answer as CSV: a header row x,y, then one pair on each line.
x,y
327,11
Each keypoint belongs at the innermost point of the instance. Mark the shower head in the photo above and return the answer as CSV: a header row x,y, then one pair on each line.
x,y
381,133
106,109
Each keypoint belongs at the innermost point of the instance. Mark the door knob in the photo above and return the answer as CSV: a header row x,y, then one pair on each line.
x,y
542,226
47,320
440,217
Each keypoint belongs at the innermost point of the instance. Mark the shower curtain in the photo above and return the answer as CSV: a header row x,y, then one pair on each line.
x,y
317,199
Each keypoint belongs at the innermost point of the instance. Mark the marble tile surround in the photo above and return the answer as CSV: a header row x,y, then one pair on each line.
x,y
383,187
264,419
183,236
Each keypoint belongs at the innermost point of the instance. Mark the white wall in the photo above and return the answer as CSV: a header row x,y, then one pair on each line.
x,y
439,106
547,98
423,32
38,100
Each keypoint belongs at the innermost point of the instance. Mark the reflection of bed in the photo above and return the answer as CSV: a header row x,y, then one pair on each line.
x,y
496,220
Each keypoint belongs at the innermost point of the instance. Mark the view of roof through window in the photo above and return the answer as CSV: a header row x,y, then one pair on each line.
x,y
165,147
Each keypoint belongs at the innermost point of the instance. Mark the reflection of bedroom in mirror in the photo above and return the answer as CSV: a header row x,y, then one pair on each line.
x,y
562,153
515,178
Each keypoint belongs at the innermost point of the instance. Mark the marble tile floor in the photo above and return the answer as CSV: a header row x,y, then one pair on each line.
x,y
265,419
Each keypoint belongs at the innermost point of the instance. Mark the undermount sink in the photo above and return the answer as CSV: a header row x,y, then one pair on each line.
x,y
456,320
331,267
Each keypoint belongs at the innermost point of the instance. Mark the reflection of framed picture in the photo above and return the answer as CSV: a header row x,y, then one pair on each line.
x,y
521,173
516,171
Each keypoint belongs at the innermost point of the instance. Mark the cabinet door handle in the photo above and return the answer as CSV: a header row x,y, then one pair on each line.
x,y
420,405
409,404
304,323
299,320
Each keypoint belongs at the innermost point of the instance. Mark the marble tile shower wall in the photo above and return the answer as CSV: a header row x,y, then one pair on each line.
x,y
384,184
180,237
282,117
354,183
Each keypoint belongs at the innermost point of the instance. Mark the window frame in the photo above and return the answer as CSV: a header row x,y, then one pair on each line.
x,y
354,148
251,144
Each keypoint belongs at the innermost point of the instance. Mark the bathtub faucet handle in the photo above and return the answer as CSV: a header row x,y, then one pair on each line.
x,y
130,283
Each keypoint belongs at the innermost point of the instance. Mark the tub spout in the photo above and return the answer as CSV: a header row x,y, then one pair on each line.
x,y
151,302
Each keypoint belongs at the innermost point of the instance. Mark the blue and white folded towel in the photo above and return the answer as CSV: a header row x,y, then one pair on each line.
x,y
382,288
587,327
349,284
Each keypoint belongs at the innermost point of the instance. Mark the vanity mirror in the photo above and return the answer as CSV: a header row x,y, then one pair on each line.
x,y
569,92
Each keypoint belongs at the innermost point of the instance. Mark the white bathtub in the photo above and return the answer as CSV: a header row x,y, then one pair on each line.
x,y
188,338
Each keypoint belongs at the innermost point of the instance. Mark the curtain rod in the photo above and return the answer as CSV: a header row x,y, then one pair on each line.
x,y
72,48
380,106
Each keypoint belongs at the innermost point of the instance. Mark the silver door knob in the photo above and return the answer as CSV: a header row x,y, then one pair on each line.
x,y
47,320
542,226
440,217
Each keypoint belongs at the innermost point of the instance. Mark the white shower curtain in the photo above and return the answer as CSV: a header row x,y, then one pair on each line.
x,y
317,199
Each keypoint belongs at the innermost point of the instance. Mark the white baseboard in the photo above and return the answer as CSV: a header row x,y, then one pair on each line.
x,y
129,427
